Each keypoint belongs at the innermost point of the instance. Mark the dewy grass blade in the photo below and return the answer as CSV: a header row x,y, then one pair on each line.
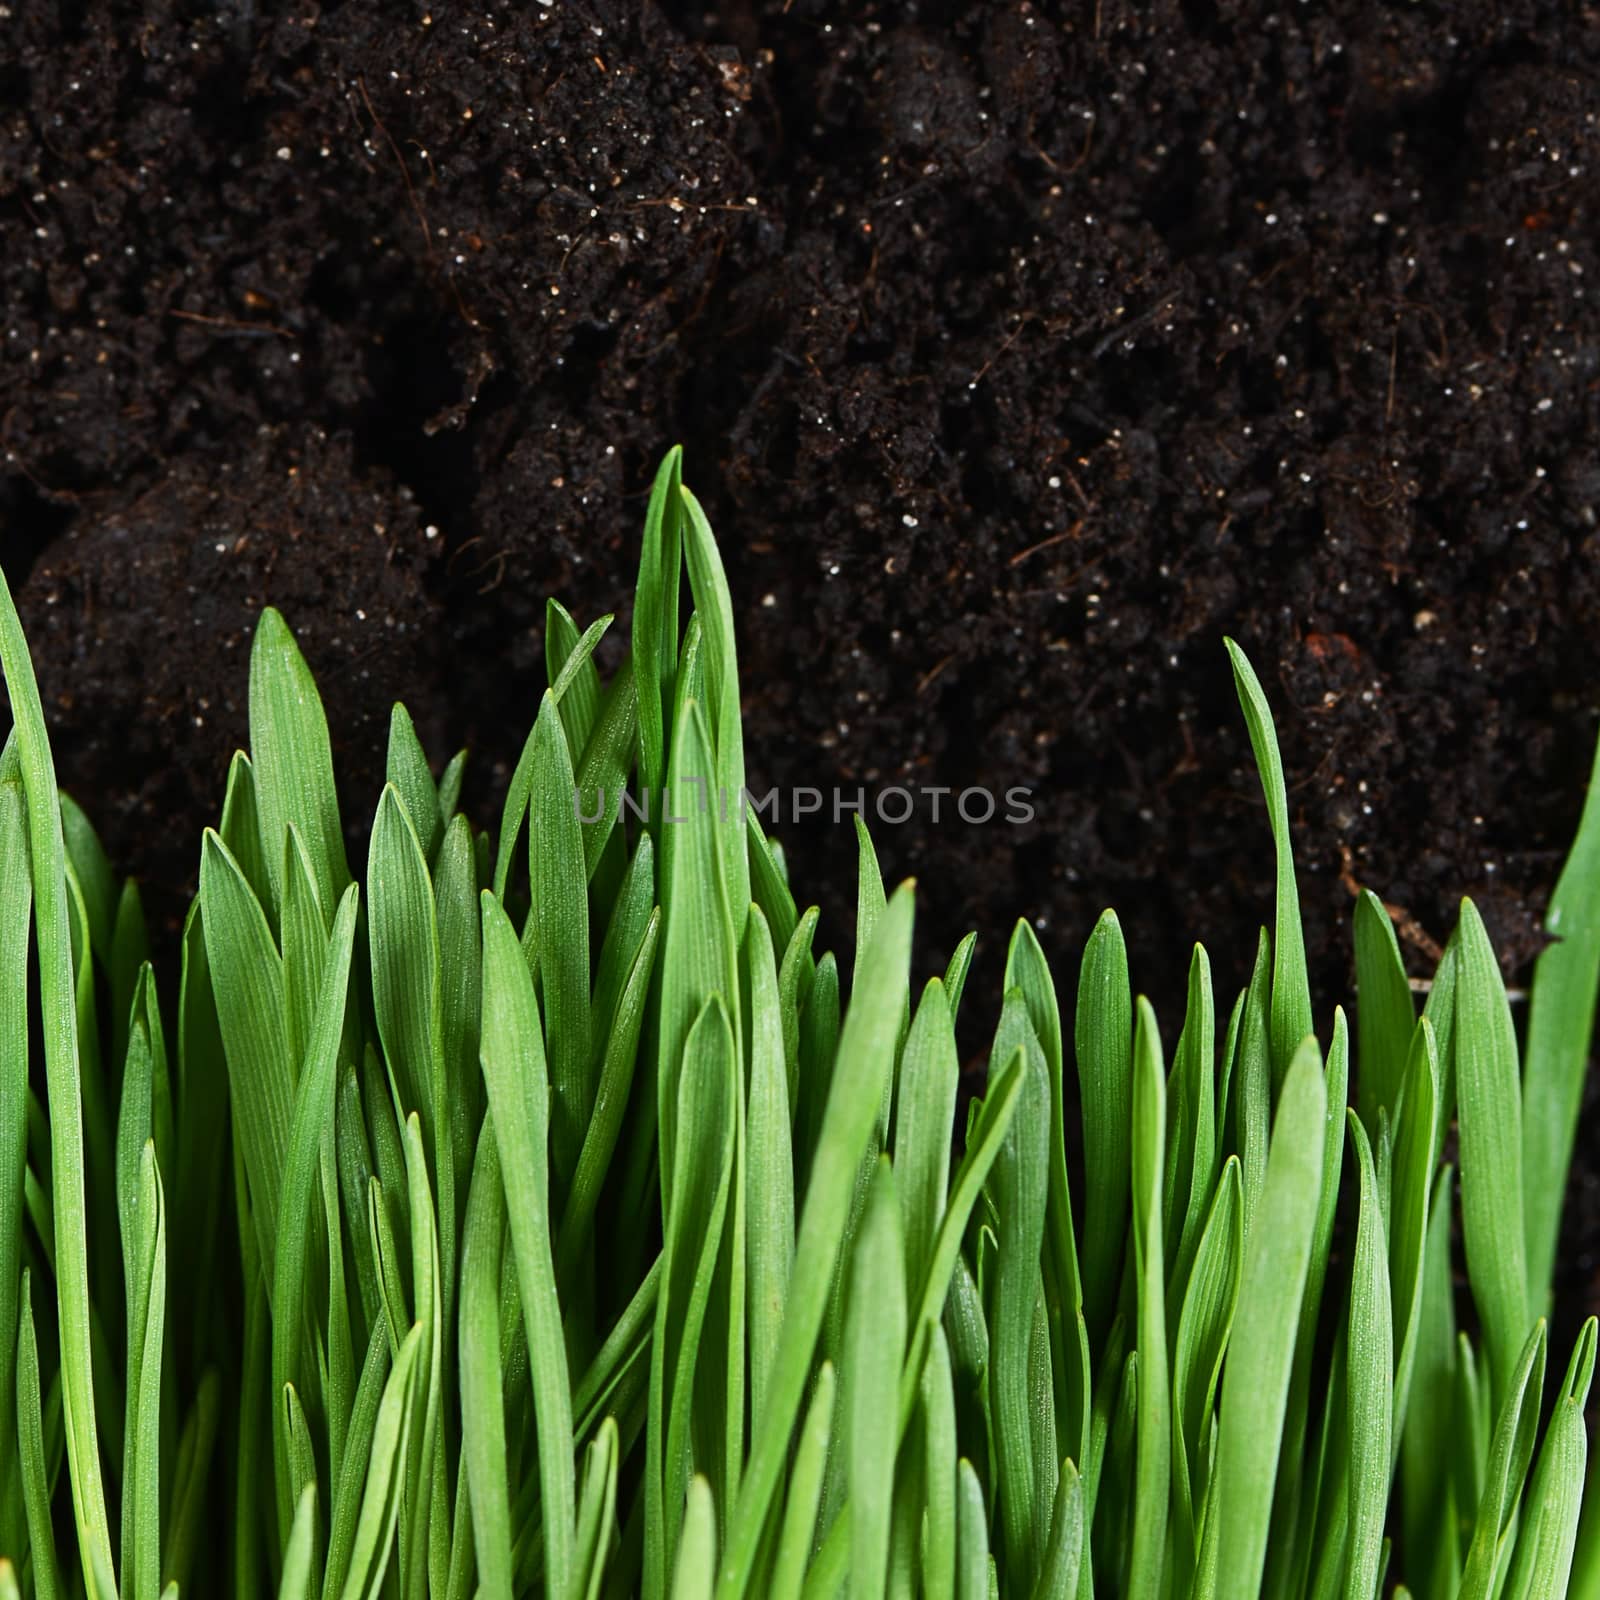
x,y
191,1482
655,621
580,704
1516,1429
714,607
514,1071
696,1565
1440,1010
314,1109
1385,1012
1019,1185
1261,1349
360,1459
1408,1210
1027,970
404,937
419,1556
16,908
955,974
455,885
483,1427
1064,1554
1370,1357
240,829
796,975
874,1345
805,1490
938,1401
597,1511
1336,1080
247,980
769,1180
1104,1043
1192,1139
984,1144
448,789
769,888
298,1553
1291,988
374,1540
607,759
32,1453
611,1103
1154,1465
1203,1329
293,760
303,934
865,1059
1561,1010
558,883
1428,1519
409,774
1549,1526
699,952
1250,1118
930,1072
695,1208
1490,1116
60,1022
974,1572
95,874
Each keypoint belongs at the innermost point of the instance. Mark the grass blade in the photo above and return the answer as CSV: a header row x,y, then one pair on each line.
x,y
1019,1185
1291,987
769,1178
874,1344
31,1453
1104,1044
558,883
1385,1011
247,980
1490,1115
296,1582
1561,1011
1153,1469
16,907
930,1072
1515,1432
865,1059
974,1574
805,1490
293,761
697,1548
1203,1329
1555,1497
48,863
483,1427
514,1071
1261,1350
313,1112
655,620
694,1208
411,778
1370,1359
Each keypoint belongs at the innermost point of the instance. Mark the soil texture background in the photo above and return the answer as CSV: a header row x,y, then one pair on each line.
x,y
1019,351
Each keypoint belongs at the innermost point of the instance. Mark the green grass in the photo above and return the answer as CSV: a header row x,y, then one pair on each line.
x,y
531,1213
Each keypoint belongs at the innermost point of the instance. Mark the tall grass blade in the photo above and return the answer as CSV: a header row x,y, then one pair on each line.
x,y
47,856
1561,1010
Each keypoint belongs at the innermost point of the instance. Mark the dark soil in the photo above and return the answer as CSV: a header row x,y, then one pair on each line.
x,y
1020,353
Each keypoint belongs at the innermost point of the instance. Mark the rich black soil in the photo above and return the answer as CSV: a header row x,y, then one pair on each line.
x,y
1020,353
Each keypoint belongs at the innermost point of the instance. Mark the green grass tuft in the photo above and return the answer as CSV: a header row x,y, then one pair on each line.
x,y
532,1215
